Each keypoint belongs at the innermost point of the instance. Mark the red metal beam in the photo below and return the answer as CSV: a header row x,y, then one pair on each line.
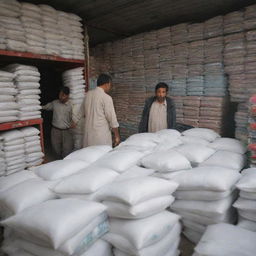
x,y
29,55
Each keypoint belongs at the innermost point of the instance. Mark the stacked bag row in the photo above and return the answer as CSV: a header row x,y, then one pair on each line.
x,y
27,194
197,161
8,107
226,239
40,29
245,204
74,80
135,183
20,149
26,80
135,202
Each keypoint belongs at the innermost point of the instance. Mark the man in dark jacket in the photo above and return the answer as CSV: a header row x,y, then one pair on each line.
x,y
159,111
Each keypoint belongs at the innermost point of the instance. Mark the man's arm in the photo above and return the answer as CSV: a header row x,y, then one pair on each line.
x,y
76,117
117,139
48,106
112,120
144,119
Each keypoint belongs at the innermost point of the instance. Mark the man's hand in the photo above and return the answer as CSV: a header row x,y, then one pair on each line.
x,y
117,141
73,125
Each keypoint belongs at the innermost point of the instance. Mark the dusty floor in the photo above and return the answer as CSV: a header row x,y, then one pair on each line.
x,y
186,247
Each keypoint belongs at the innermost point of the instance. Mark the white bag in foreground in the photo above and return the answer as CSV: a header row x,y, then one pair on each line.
x,y
166,161
202,133
144,232
134,172
89,154
229,144
204,208
86,181
16,178
55,221
226,240
140,210
159,248
226,159
207,178
59,169
23,195
194,153
137,190
119,160
247,182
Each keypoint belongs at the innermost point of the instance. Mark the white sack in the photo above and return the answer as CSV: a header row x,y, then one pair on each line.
x,y
202,133
137,190
54,221
59,169
166,161
89,154
226,159
225,239
207,178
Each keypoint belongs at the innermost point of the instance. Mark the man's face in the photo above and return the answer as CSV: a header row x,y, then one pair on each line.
x,y
108,87
63,97
161,94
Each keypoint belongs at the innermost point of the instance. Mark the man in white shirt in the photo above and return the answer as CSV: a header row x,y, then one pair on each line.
x,y
100,117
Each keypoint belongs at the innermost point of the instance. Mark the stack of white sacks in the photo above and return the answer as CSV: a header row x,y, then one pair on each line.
x,y
246,203
135,198
71,44
27,82
33,150
31,22
206,191
40,29
63,227
225,239
205,196
19,149
11,29
74,80
8,107
77,36
51,30
14,152
139,223
136,203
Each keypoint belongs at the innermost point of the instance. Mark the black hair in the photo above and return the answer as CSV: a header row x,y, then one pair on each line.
x,y
65,90
103,79
162,85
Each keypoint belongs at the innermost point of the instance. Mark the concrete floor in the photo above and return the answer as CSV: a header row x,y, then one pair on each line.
x,y
186,247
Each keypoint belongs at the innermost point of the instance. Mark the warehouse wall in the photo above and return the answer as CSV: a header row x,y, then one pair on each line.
x,y
209,67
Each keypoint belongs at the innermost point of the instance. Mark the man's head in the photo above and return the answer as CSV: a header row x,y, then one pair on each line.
x,y
161,91
105,82
64,94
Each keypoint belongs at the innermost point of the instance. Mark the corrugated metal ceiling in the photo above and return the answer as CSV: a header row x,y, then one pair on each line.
x,y
113,19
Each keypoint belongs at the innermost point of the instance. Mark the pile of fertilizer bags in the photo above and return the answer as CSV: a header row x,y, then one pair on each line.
x,y
19,149
118,201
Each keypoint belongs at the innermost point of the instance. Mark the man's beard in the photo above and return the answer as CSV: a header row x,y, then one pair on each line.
x,y
160,99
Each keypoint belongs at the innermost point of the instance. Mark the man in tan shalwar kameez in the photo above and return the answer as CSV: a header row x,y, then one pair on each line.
x,y
100,117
